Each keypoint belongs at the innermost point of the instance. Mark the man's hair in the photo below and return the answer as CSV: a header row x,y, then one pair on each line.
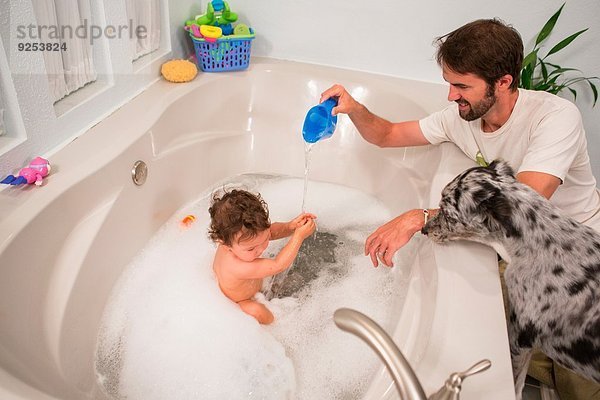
x,y
237,211
487,48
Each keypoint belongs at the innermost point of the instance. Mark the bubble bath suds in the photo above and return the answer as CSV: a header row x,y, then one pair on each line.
x,y
169,333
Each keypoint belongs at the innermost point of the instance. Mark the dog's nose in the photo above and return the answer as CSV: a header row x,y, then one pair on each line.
x,y
424,229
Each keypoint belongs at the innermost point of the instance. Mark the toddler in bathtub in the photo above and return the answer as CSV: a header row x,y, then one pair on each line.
x,y
241,227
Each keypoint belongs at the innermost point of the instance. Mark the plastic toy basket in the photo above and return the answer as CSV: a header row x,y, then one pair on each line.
x,y
227,53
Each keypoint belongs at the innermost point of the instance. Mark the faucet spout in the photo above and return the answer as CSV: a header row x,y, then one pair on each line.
x,y
406,381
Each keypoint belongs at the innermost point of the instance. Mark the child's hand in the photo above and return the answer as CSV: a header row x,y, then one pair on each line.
x,y
299,221
306,226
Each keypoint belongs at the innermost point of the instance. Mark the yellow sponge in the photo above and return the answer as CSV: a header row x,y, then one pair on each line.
x,y
179,70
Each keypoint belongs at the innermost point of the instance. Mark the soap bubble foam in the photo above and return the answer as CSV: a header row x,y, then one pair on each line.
x,y
169,333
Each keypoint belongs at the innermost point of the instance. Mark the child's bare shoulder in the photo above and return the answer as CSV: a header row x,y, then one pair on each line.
x,y
227,263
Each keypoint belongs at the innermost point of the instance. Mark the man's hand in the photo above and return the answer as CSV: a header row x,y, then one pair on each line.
x,y
382,244
346,104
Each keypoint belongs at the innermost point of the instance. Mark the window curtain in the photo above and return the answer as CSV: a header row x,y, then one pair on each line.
x,y
146,15
2,126
73,67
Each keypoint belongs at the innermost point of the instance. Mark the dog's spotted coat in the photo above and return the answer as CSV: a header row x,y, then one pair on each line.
x,y
553,273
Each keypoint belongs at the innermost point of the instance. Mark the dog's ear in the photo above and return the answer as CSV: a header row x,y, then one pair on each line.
x,y
502,168
498,205
498,212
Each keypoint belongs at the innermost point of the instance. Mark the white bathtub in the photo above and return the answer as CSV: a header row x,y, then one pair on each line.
x,y
64,245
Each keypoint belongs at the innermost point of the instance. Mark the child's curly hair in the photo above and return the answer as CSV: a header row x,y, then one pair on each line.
x,y
237,211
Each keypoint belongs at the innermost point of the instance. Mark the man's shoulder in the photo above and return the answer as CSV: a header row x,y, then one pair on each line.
x,y
545,102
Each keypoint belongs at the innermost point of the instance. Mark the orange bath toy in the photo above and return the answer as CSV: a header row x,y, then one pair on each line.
x,y
187,221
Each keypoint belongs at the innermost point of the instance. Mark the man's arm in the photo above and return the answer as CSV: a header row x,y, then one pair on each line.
x,y
387,239
382,244
374,129
544,184
383,133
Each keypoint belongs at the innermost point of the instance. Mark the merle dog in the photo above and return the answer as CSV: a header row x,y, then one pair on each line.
x,y
553,272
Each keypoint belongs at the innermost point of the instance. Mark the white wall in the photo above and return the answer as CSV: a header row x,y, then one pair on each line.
x,y
391,37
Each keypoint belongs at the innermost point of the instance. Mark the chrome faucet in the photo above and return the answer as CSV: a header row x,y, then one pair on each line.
x,y
406,381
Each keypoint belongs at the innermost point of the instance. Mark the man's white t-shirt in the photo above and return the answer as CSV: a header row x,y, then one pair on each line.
x,y
543,134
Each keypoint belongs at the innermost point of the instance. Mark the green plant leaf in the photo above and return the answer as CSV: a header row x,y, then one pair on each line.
x,y
539,74
573,81
594,91
526,76
542,87
530,59
565,42
552,81
561,71
554,65
544,70
548,26
545,85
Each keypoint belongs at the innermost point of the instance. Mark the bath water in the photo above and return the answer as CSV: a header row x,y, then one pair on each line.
x,y
169,333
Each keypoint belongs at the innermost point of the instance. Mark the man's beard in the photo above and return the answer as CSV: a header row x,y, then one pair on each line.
x,y
478,110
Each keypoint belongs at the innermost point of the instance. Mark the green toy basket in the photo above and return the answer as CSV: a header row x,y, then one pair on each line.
x,y
227,53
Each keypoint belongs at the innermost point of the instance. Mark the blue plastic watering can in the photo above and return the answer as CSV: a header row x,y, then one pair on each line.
x,y
319,123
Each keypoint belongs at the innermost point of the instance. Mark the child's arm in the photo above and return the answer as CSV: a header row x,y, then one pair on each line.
x,y
284,229
263,267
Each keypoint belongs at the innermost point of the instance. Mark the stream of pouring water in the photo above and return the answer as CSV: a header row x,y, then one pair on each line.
x,y
307,148
279,278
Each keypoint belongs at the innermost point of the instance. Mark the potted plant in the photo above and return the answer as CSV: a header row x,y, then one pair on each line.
x,y
538,73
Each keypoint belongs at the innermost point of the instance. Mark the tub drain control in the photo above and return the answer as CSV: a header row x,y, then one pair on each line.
x,y
139,172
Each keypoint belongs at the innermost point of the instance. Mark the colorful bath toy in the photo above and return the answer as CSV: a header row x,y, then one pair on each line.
x,y
217,13
241,29
34,173
218,5
225,16
187,221
205,19
211,33
195,29
227,29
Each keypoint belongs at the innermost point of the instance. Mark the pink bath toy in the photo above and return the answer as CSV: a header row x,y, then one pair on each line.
x,y
195,29
34,173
